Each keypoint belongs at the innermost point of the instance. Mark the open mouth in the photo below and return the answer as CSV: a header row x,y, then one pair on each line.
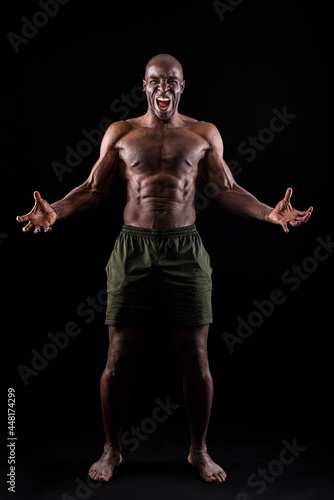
x,y
163,103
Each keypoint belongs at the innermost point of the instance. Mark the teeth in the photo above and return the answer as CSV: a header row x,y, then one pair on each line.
x,y
163,99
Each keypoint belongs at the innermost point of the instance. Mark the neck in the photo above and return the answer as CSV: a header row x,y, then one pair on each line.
x,y
152,120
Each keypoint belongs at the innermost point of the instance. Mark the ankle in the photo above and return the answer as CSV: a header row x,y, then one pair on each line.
x,y
108,446
198,448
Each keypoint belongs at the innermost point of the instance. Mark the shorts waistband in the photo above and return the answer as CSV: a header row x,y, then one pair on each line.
x,y
159,233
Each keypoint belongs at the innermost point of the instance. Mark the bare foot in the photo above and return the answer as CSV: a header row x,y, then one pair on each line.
x,y
103,469
210,472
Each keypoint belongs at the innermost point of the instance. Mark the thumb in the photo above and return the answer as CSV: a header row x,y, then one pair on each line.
x,y
285,227
288,195
37,196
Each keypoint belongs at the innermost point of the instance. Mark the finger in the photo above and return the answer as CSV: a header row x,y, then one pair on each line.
x,y
306,217
27,227
37,196
295,223
301,215
37,229
288,195
47,229
308,211
285,227
22,218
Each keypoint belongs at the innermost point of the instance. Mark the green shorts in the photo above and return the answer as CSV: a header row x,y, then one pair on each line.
x,y
164,268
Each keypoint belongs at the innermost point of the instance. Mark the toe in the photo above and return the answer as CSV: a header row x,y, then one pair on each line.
x,y
105,478
91,473
96,476
209,478
221,476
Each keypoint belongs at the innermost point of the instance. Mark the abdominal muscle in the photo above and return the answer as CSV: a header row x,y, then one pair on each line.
x,y
160,202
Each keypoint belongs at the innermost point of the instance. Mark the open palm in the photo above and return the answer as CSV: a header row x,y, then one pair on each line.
x,y
42,216
284,214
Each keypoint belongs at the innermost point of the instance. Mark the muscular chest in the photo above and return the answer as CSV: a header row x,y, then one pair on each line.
x,y
148,150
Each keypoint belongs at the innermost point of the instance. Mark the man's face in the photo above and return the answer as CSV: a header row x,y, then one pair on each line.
x,y
164,85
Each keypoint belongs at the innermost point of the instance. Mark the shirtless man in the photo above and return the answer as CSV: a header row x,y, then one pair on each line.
x,y
161,158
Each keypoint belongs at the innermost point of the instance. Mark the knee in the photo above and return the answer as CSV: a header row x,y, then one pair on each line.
x,y
197,369
194,361
119,364
202,375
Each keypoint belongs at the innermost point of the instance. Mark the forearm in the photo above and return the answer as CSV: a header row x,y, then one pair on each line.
x,y
239,201
79,201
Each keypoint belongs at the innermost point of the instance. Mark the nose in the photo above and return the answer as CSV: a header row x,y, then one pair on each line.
x,y
163,86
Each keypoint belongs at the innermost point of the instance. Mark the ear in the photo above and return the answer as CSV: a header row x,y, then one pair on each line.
x,y
144,85
183,84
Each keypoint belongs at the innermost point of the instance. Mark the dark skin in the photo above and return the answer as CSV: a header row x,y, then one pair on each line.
x,y
161,158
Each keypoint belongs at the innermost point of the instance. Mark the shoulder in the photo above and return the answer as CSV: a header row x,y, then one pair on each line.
x,y
187,120
117,129
209,132
113,134
209,129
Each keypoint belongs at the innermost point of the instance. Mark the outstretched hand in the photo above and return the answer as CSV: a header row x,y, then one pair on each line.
x,y
284,214
42,216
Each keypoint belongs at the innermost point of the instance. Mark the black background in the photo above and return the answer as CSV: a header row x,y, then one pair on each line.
x,y
263,55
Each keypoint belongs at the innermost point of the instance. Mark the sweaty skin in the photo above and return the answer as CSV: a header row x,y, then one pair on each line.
x,y
161,157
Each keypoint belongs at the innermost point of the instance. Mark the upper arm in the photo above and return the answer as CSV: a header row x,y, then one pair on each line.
x,y
105,170
216,169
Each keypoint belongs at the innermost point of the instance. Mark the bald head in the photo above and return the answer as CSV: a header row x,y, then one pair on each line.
x,y
163,85
164,60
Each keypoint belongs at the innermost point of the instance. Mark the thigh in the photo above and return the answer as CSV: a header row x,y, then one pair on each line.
x,y
130,282
191,346
124,343
185,284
